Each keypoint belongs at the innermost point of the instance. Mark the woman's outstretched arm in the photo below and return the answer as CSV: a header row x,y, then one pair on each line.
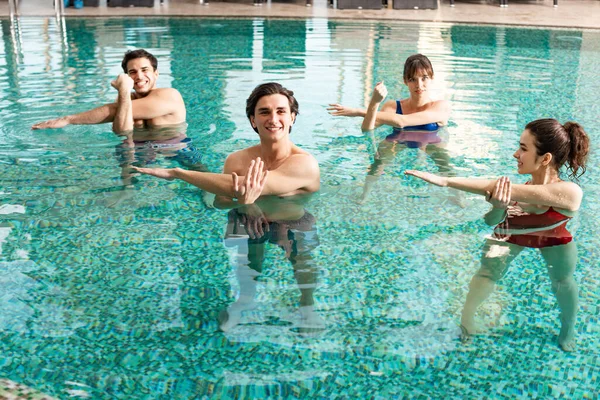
x,y
565,195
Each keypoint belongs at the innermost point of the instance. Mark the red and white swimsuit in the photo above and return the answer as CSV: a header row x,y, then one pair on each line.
x,y
534,230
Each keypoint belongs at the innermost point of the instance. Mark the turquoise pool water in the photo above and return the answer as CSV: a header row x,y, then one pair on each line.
x,y
112,293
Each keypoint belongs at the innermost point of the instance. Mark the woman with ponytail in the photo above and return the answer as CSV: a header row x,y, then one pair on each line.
x,y
532,215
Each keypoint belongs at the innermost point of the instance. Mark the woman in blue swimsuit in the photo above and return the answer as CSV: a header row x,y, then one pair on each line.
x,y
415,120
418,112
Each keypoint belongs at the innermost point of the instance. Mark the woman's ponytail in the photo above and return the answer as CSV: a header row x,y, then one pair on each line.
x,y
568,143
579,149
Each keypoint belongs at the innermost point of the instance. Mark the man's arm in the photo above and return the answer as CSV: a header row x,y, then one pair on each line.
x,y
123,120
158,103
233,163
219,184
99,115
299,174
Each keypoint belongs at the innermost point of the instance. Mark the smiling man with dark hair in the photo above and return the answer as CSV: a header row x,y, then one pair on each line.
x,y
139,103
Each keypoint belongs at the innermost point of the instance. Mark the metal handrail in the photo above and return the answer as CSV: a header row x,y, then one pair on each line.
x,y
13,8
59,8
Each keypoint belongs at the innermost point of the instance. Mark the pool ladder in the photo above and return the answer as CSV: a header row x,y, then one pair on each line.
x,y
13,8
15,25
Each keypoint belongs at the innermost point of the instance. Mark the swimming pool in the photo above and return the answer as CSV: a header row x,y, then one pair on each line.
x,y
110,293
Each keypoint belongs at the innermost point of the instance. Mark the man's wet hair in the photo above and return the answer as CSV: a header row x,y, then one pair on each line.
x,y
139,53
267,89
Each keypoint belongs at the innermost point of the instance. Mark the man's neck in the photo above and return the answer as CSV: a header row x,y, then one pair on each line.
x,y
136,95
275,153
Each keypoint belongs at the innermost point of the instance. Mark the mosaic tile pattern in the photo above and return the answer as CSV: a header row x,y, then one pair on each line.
x,y
10,390
113,293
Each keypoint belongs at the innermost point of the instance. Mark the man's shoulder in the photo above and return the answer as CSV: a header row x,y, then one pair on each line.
x,y
249,152
303,159
301,153
239,159
166,93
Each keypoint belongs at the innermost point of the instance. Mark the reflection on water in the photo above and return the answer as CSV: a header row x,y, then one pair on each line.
x,y
127,289
247,235
431,143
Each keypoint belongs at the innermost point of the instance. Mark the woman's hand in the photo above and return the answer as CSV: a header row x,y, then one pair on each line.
x,y
379,93
168,174
428,177
254,182
500,197
339,110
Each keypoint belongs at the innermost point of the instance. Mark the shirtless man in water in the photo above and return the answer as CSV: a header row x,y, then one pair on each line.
x,y
266,186
146,106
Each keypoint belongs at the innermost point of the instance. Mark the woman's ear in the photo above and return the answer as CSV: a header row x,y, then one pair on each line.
x,y
546,159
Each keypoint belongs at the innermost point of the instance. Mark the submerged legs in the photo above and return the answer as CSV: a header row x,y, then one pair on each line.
x,y
494,263
561,262
480,289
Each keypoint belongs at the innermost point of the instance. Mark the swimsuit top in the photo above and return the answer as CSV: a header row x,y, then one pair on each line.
x,y
534,230
433,126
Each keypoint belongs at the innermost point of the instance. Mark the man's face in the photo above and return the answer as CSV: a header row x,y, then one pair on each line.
x,y
143,75
272,116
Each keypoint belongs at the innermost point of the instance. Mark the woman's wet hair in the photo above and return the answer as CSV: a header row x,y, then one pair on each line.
x,y
568,143
139,53
267,89
417,63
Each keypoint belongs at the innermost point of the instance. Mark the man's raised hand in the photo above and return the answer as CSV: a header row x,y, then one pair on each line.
x,y
251,188
123,82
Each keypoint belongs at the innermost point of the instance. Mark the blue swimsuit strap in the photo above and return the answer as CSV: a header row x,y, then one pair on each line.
x,y
432,126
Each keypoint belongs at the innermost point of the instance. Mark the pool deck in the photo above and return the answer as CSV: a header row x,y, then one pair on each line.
x,y
568,14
